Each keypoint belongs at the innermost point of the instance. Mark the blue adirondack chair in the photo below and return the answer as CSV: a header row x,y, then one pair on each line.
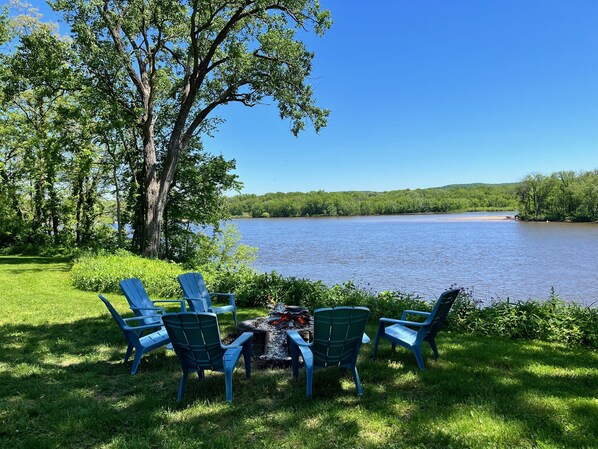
x,y
338,335
142,305
411,334
200,300
196,341
143,344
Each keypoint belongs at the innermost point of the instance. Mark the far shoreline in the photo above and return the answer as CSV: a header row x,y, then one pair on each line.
x,y
510,215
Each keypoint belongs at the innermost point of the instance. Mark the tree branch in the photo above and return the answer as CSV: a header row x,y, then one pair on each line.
x,y
118,44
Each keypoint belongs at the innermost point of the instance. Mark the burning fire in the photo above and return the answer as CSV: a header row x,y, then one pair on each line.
x,y
288,317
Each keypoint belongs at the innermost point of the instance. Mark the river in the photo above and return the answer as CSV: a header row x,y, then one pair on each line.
x,y
425,254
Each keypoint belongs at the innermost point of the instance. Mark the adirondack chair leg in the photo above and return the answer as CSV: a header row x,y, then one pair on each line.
x,y
129,351
235,317
200,373
247,358
294,359
228,379
380,332
434,348
182,386
136,360
309,371
357,381
418,356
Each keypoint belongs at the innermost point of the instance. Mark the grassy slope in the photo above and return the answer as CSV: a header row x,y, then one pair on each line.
x,y
63,384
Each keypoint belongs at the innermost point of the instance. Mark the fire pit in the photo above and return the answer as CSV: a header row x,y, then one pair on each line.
x,y
270,346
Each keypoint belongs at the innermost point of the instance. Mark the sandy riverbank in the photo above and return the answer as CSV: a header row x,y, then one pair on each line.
x,y
486,218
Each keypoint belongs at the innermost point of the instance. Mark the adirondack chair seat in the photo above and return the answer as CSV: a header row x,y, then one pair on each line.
x,y
196,341
199,298
224,309
141,345
338,335
157,337
411,334
400,332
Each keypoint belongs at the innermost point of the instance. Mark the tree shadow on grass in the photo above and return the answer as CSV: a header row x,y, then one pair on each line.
x,y
34,264
65,385
28,260
503,388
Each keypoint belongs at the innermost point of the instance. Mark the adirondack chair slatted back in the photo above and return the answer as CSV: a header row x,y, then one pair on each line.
x,y
440,311
196,339
337,334
136,296
121,323
195,291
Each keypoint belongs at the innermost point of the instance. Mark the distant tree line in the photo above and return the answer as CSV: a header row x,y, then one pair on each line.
x,y
561,196
454,198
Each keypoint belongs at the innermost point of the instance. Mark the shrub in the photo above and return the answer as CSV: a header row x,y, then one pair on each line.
x,y
263,289
103,273
548,320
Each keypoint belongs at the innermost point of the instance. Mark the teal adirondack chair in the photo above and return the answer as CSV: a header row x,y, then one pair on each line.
x,y
196,341
200,300
142,345
141,304
411,334
338,335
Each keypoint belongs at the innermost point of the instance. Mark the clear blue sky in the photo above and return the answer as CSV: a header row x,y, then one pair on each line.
x,y
428,93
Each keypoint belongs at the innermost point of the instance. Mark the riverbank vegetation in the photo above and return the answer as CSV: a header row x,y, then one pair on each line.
x,y
548,319
64,385
453,198
561,196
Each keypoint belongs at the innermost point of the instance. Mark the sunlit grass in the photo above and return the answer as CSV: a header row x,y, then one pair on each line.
x,y
63,384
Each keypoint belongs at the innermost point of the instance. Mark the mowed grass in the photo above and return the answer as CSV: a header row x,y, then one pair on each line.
x,y
63,384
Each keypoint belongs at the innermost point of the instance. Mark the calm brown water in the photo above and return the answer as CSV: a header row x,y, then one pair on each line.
x,y
425,254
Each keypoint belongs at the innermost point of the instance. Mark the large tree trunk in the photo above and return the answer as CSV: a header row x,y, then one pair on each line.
x,y
153,214
156,189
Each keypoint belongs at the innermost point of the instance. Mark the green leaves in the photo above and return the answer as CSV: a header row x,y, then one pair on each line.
x,y
562,196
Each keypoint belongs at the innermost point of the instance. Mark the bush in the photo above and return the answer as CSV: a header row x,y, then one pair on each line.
x,y
103,273
548,320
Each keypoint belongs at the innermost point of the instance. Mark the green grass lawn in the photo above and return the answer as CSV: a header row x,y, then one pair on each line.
x,y
63,384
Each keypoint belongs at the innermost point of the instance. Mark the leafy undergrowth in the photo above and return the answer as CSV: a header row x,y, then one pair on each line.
x,y
63,384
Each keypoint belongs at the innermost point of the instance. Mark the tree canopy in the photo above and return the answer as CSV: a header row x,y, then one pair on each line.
x,y
101,131
167,65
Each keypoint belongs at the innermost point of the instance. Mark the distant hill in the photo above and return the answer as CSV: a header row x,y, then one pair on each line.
x,y
477,184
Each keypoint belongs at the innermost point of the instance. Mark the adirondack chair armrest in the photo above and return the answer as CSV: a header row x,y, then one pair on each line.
x,y
298,339
365,339
240,341
413,312
138,327
180,301
203,301
157,309
403,322
231,297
